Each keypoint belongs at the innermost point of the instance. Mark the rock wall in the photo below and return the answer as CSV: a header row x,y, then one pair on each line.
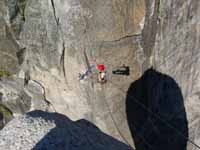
x,y
61,38
176,53
53,41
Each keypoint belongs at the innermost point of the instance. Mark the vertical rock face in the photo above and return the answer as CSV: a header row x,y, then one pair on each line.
x,y
61,38
176,53
51,41
11,55
19,99
8,48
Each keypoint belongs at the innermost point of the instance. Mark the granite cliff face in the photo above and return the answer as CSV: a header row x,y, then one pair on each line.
x,y
58,39
176,53
50,42
171,45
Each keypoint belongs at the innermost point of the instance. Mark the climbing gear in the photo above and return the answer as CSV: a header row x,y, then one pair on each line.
x,y
81,76
123,70
101,73
89,71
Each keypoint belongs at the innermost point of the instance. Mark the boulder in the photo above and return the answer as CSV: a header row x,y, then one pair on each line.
x,y
40,130
17,99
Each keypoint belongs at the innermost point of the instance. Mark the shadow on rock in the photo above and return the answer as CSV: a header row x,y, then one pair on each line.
x,y
74,135
154,107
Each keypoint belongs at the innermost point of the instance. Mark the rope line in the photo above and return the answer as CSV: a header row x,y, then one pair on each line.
x,y
120,133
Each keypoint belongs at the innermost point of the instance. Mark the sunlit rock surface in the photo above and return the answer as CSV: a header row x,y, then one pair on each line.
x,y
55,40
40,130
19,98
61,38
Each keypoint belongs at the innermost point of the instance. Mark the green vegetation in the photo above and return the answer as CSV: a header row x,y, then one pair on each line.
x,y
21,4
4,73
158,7
6,112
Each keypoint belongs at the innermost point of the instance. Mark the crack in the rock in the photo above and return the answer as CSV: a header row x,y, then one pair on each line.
x,y
21,55
86,59
123,38
62,60
44,94
54,12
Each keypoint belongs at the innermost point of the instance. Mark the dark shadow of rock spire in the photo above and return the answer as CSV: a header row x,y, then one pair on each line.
x,y
156,113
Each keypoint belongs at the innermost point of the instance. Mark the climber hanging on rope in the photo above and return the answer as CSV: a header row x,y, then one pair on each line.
x,y
102,73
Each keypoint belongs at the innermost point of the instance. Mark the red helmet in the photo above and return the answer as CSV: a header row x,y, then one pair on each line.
x,y
101,67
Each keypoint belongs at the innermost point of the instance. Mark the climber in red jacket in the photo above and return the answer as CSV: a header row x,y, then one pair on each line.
x,y
102,73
